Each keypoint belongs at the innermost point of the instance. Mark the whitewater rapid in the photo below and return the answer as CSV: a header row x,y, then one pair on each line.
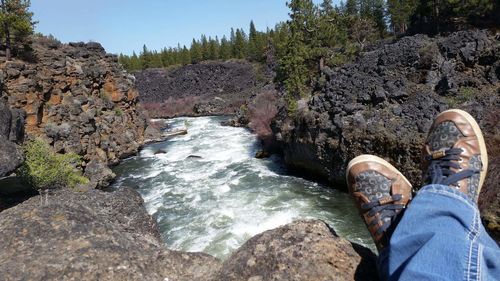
x,y
210,194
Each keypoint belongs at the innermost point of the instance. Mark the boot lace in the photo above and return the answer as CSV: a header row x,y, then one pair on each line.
x,y
441,163
386,209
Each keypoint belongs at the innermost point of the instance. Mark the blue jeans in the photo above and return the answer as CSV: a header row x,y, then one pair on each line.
x,y
440,237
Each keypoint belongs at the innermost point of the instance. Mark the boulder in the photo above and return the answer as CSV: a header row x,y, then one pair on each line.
x,y
10,155
98,174
303,250
91,235
261,154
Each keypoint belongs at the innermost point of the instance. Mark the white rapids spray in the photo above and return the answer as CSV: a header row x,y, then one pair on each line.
x,y
209,194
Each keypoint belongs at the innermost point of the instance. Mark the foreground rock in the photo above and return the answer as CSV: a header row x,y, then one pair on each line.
x,y
79,99
95,235
385,102
304,250
91,236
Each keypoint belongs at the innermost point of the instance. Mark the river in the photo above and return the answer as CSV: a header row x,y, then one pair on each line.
x,y
221,196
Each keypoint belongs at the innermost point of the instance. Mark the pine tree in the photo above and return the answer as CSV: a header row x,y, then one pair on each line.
x,y
240,44
156,60
15,24
195,51
185,55
225,49
293,65
254,51
326,6
135,63
213,49
205,52
400,12
145,57
351,7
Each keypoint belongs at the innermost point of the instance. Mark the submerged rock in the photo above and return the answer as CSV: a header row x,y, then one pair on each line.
x,y
303,250
91,235
261,154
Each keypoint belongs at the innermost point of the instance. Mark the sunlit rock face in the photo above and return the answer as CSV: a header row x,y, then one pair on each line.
x,y
79,99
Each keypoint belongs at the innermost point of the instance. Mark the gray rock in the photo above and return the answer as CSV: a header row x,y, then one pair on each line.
x,y
303,250
17,126
91,235
99,174
5,119
10,157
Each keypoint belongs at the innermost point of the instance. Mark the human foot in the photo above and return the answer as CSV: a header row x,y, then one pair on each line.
x,y
380,192
455,154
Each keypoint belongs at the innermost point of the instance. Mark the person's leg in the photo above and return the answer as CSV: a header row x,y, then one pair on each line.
x,y
440,237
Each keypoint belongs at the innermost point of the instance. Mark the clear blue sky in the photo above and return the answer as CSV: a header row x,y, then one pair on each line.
x,y
123,26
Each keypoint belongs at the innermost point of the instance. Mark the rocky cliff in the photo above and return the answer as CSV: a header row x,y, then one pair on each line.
x,y
385,102
208,88
11,134
96,235
80,100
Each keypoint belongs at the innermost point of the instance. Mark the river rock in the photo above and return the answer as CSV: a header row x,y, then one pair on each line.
x,y
91,235
303,250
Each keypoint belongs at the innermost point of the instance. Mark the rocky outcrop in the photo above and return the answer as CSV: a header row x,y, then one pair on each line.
x,y
91,236
303,250
11,133
96,235
79,99
208,88
385,102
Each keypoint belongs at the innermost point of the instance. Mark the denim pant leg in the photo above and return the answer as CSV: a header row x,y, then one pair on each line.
x,y
440,237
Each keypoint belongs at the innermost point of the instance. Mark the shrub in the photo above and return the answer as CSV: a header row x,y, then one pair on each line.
x,y
261,112
45,169
118,112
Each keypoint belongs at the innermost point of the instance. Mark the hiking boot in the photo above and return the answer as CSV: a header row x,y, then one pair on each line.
x,y
454,153
380,192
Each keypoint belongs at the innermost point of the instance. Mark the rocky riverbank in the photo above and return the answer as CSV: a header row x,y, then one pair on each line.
x,y
79,99
208,88
96,235
385,101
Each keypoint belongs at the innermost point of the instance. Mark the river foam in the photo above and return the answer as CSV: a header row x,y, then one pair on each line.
x,y
210,194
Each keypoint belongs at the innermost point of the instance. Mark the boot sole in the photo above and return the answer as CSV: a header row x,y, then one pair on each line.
x,y
376,159
482,144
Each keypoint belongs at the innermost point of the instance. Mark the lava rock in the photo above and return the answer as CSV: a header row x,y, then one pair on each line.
x,y
77,98
303,250
384,103
91,235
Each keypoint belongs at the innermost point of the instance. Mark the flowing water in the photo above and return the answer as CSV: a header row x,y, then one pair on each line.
x,y
209,194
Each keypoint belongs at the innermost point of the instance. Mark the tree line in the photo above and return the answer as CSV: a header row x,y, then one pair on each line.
x,y
239,45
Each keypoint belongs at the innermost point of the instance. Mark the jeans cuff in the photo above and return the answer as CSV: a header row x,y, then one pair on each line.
x,y
447,191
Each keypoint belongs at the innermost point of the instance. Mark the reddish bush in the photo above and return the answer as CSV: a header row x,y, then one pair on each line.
x,y
261,112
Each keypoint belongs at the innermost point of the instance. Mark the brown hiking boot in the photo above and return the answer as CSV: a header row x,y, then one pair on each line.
x,y
380,192
455,154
